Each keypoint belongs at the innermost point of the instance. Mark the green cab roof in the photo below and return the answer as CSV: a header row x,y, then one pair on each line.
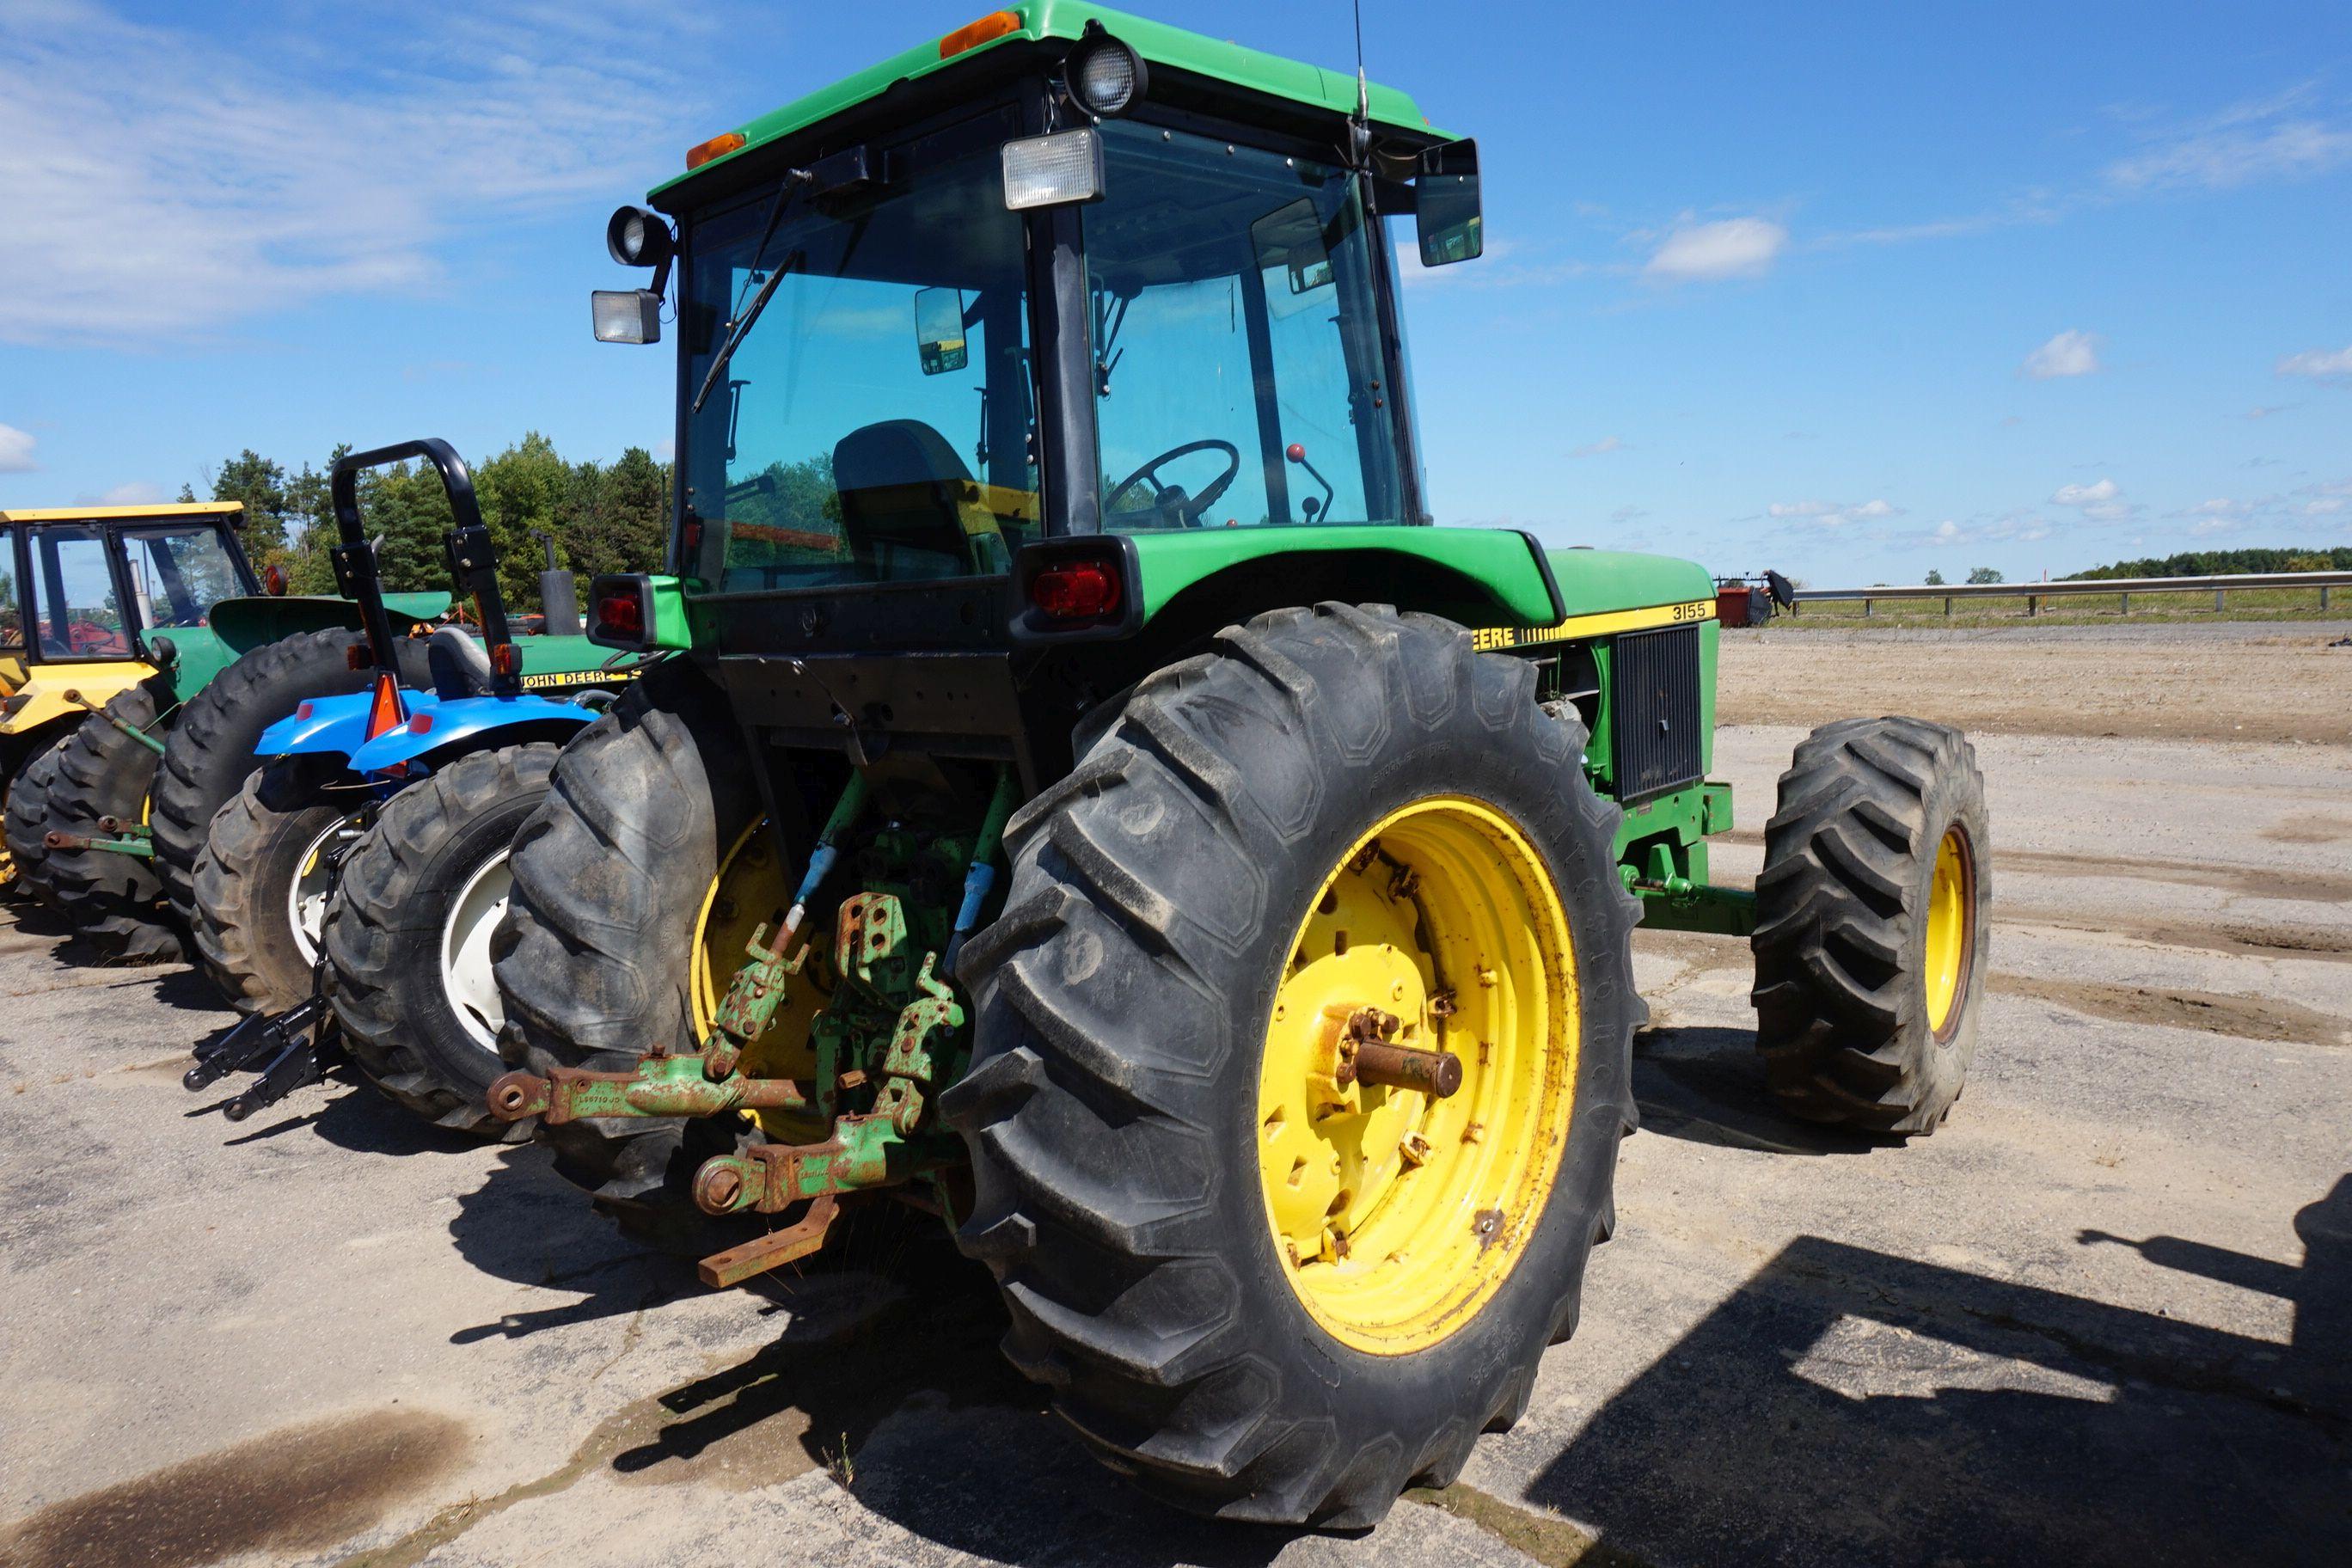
x,y
1157,43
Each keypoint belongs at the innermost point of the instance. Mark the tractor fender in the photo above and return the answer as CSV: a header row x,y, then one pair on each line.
x,y
471,724
41,699
335,726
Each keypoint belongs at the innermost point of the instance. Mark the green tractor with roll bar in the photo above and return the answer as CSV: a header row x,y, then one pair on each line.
x,y
1141,837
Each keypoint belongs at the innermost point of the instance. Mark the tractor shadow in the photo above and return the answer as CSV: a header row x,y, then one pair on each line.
x,y
1705,1084
1845,1406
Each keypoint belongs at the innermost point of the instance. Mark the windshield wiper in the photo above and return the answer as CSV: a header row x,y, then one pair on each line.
x,y
743,325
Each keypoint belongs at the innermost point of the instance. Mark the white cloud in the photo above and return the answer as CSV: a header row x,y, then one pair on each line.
x,y
2327,507
17,451
2266,410
1831,514
138,492
1705,252
2221,506
2071,352
2264,139
2321,363
164,183
2100,502
1595,449
2018,528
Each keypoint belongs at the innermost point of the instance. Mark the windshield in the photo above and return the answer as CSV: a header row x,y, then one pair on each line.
x,y
1236,335
12,614
875,422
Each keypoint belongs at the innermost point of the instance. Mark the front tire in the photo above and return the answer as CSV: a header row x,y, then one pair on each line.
x,y
1870,945
1134,1127
263,883
408,935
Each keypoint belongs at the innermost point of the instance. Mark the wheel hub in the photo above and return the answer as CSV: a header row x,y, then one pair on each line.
x,y
1436,954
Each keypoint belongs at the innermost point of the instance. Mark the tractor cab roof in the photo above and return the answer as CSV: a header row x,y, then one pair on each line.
x,y
155,512
1230,65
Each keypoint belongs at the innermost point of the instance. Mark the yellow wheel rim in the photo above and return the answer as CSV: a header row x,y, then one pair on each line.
x,y
749,892
1951,930
1397,1215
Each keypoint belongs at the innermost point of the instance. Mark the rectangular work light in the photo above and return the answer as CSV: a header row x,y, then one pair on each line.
x,y
1047,170
626,315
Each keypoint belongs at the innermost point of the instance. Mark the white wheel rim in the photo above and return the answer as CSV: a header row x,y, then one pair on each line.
x,y
314,881
465,931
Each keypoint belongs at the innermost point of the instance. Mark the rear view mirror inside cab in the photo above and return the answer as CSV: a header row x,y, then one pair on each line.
x,y
938,330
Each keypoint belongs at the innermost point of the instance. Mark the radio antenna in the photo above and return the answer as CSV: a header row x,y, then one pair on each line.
x,y
1363,87
1361,131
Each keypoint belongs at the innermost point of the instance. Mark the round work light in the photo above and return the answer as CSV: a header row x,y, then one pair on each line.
x,y
636,237
1107,76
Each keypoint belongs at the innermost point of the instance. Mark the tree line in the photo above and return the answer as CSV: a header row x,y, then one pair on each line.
x,y
2224,563
600,517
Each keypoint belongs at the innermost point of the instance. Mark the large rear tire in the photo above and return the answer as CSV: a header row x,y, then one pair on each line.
x,y
27,819
263,880
596,957
1151,1166
1870,947
115,901
408,935
211,743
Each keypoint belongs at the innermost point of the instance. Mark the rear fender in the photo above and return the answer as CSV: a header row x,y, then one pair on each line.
x,y
335,726
464,724
43,695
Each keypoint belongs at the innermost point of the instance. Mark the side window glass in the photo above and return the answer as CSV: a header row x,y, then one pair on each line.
x,y
12,611
178,575
74,608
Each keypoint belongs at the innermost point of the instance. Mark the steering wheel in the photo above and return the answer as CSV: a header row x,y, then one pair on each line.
x,y
1173,497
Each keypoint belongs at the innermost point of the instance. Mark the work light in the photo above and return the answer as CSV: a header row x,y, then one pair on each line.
x,y
1107,76
1046,171
625,315
636,237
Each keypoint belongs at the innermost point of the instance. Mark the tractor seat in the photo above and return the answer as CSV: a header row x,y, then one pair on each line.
x,y
460,666
908,506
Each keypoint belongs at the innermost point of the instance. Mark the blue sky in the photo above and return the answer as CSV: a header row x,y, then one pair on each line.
x,y
1854,291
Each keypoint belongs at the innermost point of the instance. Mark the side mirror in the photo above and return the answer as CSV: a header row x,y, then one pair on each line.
x,y
938,331
1446,204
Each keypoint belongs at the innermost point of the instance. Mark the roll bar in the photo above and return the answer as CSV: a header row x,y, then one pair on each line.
x,y
472,559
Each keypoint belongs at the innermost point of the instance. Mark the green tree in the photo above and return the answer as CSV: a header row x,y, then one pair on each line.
x,y
1935,578
636,506
523,490
1984,574
260,484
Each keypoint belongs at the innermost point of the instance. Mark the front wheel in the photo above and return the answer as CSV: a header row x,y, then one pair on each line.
x,y
408,935
1870,942
1265,1276
263,880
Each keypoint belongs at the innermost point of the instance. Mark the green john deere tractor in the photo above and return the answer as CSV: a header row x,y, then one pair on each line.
x,y
1089,799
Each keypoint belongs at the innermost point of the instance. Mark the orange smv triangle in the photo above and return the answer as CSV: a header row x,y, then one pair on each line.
x,y
385,712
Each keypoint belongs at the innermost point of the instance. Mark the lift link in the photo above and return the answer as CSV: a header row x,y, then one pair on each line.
x,y
657,1086
152,742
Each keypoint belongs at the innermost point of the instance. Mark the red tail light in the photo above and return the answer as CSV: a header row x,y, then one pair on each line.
x,y
421,724
357,657
507,660
273,580
304,709
621,616
385,711
1076,591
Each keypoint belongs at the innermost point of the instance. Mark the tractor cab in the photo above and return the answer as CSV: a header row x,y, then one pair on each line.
x,y
90,598
1063,273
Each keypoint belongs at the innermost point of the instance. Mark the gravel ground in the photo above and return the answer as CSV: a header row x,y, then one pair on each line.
x,y
2102,1317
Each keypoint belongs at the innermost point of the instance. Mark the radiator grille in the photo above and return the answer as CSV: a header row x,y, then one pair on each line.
x,y
1654,728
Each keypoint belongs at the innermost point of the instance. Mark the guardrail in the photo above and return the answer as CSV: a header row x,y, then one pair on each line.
x,y
2112,587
